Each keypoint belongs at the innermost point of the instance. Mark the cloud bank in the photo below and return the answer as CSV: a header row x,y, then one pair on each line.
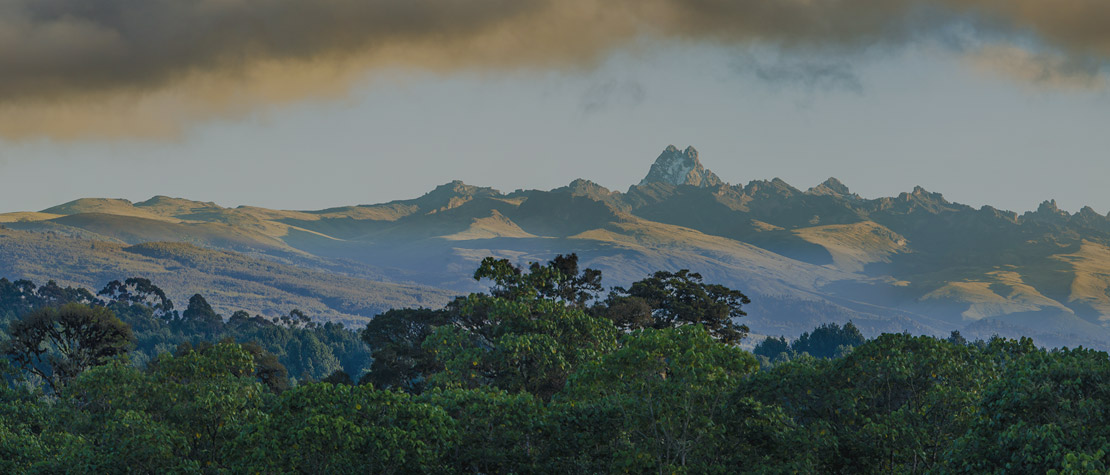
x,y
104,68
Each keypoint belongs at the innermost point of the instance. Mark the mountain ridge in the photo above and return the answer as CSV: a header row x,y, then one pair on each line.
x,y
914,261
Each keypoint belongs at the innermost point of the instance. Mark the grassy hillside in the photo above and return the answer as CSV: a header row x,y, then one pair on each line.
x,y
233,281
913,262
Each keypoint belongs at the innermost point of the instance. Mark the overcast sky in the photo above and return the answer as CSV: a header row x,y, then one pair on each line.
x,y
1005,115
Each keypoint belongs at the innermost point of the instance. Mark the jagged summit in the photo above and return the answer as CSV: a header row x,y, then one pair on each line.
x,y
681,168
583,187
830,187
451,195
1048,210
1049,207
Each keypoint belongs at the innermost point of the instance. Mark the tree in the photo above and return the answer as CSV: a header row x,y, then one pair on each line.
x,y
524,344
828,340
241,320
269,371
53,294
326,428
497,432
680,298
207,395
338,377
627,312
138,291
22,296
772,347
298,319
1048,411
59,343
18,297
113,416
200,316
669,386
395,338
893,404
559,279
267,368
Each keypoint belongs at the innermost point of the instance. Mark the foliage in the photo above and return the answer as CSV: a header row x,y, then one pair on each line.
x,y
58,343
528,344
669,387
525,380
396,337
828,340
325,428
307,349
679,298
496,432
1047,411
559,279
20,297
139,291
892,404
772,347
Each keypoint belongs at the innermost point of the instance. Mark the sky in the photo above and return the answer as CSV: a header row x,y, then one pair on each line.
x,y
264,103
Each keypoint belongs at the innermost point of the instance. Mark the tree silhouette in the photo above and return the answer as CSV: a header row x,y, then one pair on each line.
x,y
57,344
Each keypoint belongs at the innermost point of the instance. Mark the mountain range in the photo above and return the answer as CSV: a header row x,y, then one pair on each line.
x,y
914,262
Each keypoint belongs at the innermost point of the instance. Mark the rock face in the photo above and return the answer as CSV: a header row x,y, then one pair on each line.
x,y
831,187
681,168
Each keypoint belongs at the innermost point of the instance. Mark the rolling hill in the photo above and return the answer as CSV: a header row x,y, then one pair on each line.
x,y
914,262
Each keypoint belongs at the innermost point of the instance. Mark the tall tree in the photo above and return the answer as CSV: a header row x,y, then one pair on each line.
x,y
669,387
395,338
676,299
559,279
528,343
59,343
200,316
138,291
772,347
828,340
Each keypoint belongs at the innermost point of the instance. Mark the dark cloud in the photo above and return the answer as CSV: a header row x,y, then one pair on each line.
x,y
80,67
55,47
1041,69
810,75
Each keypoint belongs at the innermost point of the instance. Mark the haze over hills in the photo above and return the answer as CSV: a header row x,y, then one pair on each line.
x,y
914,262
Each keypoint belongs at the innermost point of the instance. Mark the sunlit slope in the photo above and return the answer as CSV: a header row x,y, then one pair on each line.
x,y
913,262
495,225
854,246
231,281
1090,288
26,216
115,207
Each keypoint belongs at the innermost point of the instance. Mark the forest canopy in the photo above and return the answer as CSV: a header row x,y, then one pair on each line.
x,y
543,373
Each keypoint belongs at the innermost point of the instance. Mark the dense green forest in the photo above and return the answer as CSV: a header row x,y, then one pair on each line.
x,y
542,373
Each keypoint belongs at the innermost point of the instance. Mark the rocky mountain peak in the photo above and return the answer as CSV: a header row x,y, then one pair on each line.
x,y
920,194
451,195
1048,207
583,187
681,168
830,187
1048,210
